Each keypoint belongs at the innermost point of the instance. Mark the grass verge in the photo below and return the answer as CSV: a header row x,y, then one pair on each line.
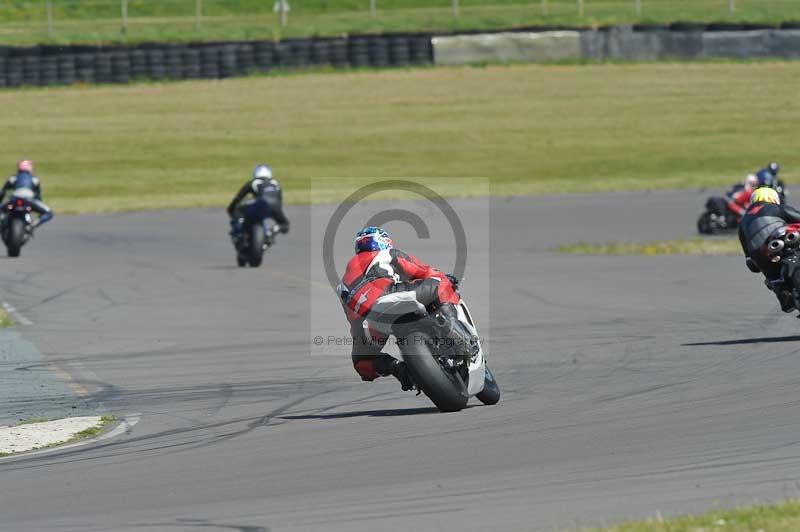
x,y
696,246
782,517
5,319
526,129
93,431
99,21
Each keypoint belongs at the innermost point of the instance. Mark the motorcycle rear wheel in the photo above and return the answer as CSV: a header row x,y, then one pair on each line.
x,y
16,234
256,245
446,389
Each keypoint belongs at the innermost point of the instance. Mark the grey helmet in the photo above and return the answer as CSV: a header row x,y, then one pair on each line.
x,y
262,171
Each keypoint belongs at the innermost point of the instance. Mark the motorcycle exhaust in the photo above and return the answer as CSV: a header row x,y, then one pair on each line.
x,y
454,336
776,246
792,237
442,322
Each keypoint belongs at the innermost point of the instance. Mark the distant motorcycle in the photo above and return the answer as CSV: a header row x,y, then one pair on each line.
x,y
444,357
717,218
16,224
252,235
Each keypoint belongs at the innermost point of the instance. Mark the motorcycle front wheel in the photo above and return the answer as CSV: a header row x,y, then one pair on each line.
x,y
447,389
490,394
704,224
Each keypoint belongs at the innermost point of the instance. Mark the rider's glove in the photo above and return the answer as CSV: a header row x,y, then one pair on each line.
x,y
453,280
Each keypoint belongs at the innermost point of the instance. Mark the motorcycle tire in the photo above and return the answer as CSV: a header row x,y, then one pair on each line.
x,y
446,389
16,234
490,394
241,261
256,245
704,225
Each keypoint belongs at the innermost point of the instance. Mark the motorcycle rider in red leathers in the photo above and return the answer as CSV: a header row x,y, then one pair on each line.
x,y
738,196
382,283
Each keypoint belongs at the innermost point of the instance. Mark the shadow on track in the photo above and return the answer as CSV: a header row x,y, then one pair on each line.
x,y
368,413
745,341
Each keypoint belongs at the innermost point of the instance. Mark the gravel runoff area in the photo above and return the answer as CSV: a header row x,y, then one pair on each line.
x,y
31,436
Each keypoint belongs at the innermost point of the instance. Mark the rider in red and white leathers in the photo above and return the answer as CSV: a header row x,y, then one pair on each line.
x,y
381,284
738,196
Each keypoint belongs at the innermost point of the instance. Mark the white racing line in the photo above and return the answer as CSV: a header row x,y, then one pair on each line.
x,y
19,318
125,425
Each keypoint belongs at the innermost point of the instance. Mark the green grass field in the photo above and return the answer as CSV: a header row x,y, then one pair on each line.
x,y
99,20
783,517
695,246
530,129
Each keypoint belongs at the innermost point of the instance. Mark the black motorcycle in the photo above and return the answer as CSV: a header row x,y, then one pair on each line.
x,y
783,246
717,218
16,224
251,234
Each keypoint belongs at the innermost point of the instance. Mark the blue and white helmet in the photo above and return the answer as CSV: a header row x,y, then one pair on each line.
x,y
262,171
372,239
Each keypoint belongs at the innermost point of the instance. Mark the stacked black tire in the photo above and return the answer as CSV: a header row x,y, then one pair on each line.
x,y
49,65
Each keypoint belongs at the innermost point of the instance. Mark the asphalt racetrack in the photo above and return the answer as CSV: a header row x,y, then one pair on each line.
x,y
632,385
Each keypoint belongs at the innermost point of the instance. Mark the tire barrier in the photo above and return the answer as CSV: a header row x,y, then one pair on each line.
x,y
102,68
65,65
338,52
358,52
246,58
190,67
155,64
228,63
84,67
67,70
264,55
173,61
209,62
378,52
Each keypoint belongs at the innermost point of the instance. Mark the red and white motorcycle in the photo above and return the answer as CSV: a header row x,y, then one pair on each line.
x,y
443,354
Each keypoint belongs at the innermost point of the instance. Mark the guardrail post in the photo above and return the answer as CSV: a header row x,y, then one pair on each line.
x,y
731,6
372,9
544,8
283,10
455,8
198,14
638,5
123,8
580,8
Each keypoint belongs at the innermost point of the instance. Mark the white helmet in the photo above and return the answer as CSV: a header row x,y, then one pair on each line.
x,y
262,171
751,180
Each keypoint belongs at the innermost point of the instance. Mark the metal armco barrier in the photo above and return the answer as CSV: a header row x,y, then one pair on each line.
x,y
65,65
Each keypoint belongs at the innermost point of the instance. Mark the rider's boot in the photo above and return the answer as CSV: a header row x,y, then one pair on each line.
x,y
785,298
388,365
